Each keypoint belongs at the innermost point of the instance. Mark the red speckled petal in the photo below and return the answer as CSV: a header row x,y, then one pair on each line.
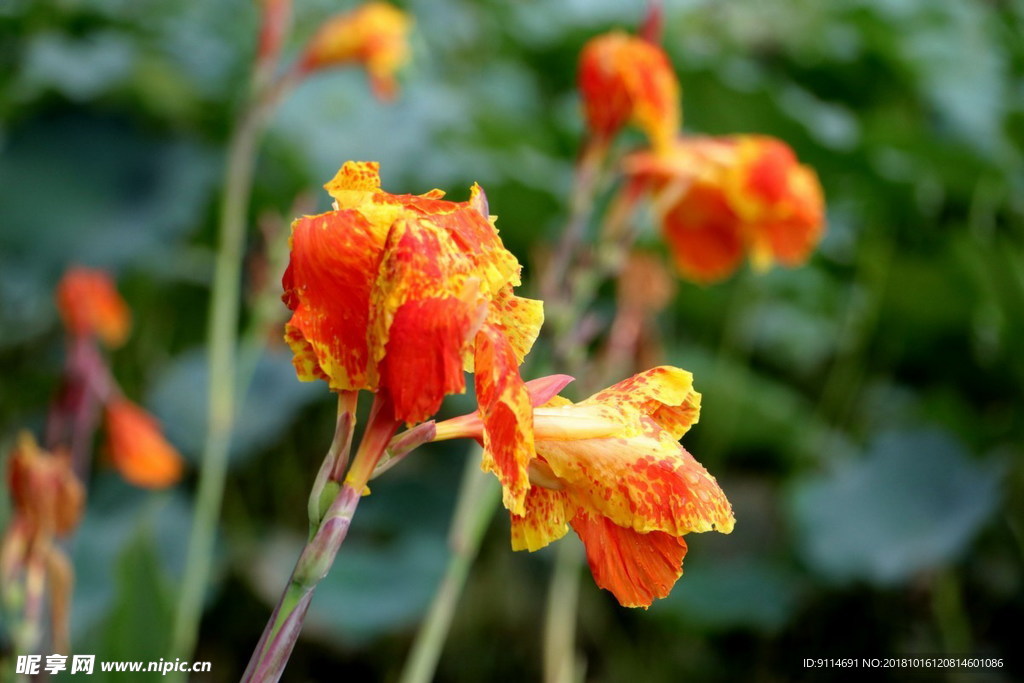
x,y
545,519
664,393
334,261
423,359
507,416
637,568
647,482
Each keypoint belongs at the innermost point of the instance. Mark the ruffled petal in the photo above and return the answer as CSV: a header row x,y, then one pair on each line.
x,y
507,416
334,261
518,318
544,520
636,567
647,482
664,393
423,358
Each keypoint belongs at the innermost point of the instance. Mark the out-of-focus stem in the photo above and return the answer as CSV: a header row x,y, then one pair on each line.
x,y
560,658
588,171
478,499
222,335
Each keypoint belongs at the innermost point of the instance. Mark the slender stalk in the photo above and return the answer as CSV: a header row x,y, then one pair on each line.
x,y
222,335
560,659
477,502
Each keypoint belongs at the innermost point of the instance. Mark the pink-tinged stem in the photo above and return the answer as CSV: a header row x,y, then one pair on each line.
x,y
282,631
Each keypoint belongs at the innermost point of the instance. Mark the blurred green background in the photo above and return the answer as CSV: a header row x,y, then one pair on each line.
x,y
863,413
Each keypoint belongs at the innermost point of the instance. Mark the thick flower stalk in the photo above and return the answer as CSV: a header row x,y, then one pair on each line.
x,y
625,79
398,295
47,499
719,199
612,468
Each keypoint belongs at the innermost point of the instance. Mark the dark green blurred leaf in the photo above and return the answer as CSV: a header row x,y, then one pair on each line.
x,y
273,399
118,516
373,587
913,503
725,594
139,626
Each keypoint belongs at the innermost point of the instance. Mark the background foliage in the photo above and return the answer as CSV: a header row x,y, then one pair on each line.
x,y
863,413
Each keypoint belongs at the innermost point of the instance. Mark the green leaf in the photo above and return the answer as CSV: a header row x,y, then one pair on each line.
x,y
912,504
273,399
139,625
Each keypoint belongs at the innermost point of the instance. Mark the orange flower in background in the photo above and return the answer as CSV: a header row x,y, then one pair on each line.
x,y
138,448
625,79
47,500
45,492
89,304
720,198
611,467
375,35
403,293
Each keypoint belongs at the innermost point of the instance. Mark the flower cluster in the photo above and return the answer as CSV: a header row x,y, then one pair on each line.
x,y
716,198
399,294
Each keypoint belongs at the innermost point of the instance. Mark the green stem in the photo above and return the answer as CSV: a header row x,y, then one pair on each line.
x,y
477,502
222,333
561,663
282,630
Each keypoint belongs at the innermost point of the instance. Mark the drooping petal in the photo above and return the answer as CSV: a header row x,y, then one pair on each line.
x,y
507,416
664,393
138,448
334,262
636,567
545,519
647,482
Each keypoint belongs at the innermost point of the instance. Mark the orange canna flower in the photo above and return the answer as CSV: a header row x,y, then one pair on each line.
x,y
137,447
611,467
719,198
403,293
374,35
47,499
46,494
89,304
624,79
